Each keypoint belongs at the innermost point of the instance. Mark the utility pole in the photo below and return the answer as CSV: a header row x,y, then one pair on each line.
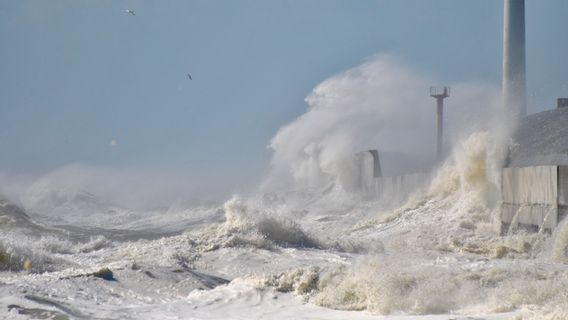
x,y
440,93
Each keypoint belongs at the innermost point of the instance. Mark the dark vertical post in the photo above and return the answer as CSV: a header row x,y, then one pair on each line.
x,y
440,112
376,164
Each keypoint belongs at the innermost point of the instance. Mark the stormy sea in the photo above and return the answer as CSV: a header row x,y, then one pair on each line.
x,y
306,243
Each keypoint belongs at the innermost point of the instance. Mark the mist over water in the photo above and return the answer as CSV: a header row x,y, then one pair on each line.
x,y
381,104
135,188
307,235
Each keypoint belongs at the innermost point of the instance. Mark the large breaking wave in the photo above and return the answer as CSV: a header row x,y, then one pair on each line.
x,y
307,231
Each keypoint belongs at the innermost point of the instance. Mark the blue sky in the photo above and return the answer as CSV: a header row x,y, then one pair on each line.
x,y
75,75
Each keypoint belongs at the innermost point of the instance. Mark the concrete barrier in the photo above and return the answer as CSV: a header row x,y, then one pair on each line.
x,y
534,196
392,189
368,174
397,189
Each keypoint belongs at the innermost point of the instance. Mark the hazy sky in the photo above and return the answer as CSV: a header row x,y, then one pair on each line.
x,y
85,82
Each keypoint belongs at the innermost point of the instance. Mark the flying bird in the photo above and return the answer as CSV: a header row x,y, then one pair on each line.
x,y
189,76
130,11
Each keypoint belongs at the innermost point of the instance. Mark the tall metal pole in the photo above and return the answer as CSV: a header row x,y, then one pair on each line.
x,y
440,112
514,64
440,93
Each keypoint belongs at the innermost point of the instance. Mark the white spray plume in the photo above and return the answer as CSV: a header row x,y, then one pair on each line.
x,y
381,104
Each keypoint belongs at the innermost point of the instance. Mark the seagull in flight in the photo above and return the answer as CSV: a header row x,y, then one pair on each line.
x,y
130,11
189,76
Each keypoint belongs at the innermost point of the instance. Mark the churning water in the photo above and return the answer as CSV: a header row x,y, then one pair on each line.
x,y
319,251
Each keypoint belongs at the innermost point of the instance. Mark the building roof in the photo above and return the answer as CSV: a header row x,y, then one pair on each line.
x,y
541,139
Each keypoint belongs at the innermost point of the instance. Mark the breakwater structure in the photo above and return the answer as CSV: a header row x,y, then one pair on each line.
x,y
534,178
392,186
534,181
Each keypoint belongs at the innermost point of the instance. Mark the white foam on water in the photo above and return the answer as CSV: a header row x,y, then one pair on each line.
x,y
306,246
